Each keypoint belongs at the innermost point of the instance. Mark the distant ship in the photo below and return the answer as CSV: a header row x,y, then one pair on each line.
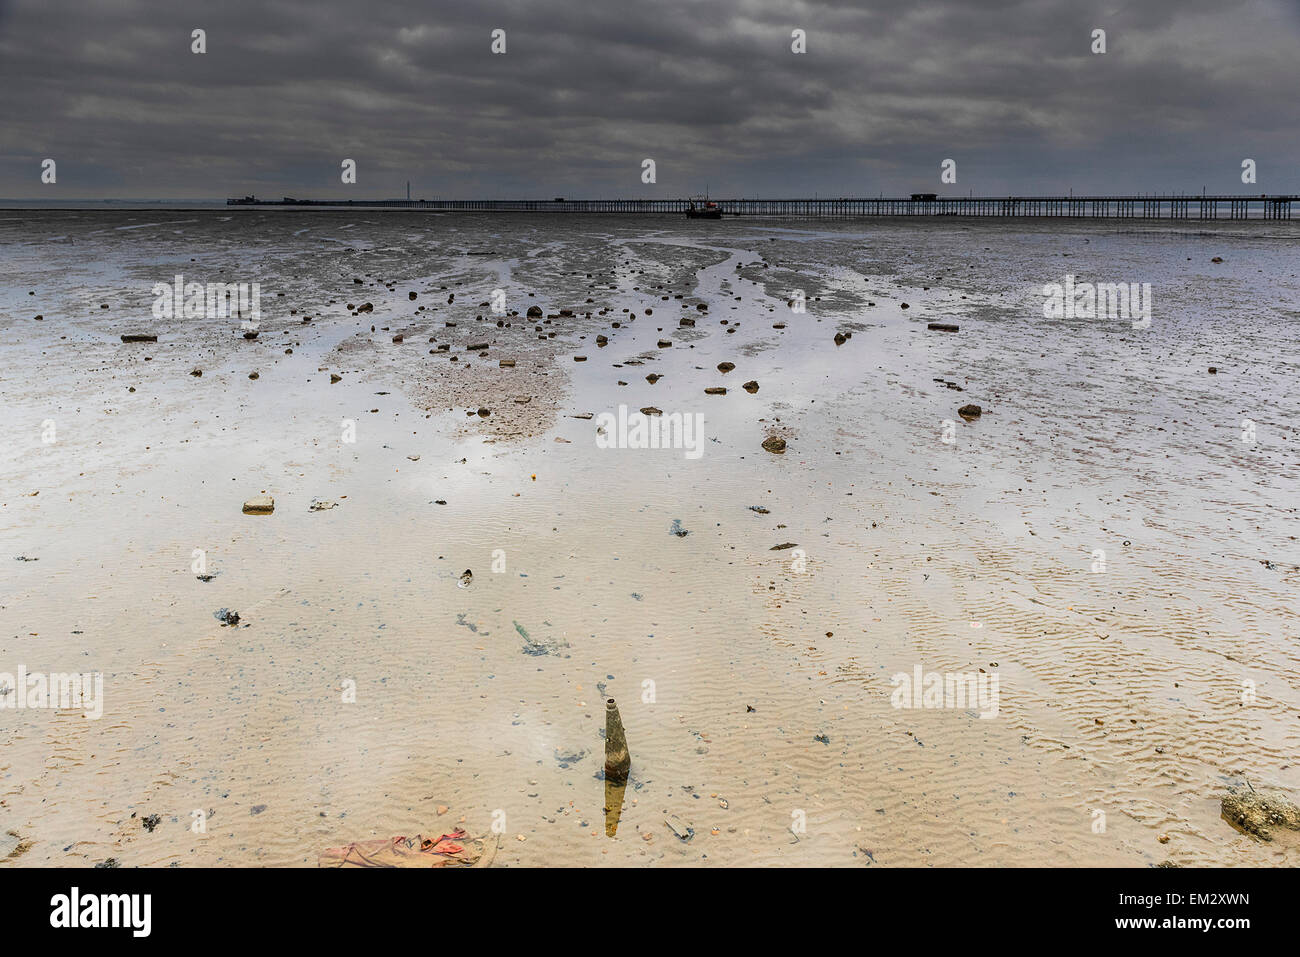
x,y
702,208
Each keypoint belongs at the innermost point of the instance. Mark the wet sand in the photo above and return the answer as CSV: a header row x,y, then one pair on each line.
x,y
1121,691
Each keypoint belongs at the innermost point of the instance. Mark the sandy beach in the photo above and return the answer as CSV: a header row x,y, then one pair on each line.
x,y
1112,537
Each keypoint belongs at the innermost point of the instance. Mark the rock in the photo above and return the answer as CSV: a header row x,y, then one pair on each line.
x,y
411,296
398,338
677,529
760,509
579,358
477,346
507,363
227,617
196,372
715,390
139,337
905,306
751,386
1217,259
534,312
1214,370
651,410
970,412
466,579
665,343
679,828
321,505
1258,813
484,413
685,321
725,367
653,377
335,377
783,546
943,326
254,375
774,445
251,334
259,505
840,338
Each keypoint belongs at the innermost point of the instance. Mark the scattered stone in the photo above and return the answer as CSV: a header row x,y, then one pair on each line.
x,y
251,334
725,367
1214,370
653,377
840,338
335,377
259,505
254,375
321,505
196,372
783,546
139,337
651,410
677,529
228,618
751,386
534,312
665,343
466,579
477,346
507,363
943,326
151,821
970,412
685,321
760,509
774,444
715,390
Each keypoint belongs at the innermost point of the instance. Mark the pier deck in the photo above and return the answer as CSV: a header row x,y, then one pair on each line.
x,y
1063,207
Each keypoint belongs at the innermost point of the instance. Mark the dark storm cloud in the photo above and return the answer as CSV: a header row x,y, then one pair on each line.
x,y
707,88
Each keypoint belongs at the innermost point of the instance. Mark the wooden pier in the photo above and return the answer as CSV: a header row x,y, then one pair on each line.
x,y
1059,207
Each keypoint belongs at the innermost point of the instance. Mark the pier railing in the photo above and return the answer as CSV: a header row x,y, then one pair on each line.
x,y
1064,207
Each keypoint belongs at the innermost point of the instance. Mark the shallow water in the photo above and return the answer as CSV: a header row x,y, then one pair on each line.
x,y
1121,691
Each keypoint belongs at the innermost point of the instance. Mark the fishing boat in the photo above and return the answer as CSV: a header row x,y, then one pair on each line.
x,y
700,207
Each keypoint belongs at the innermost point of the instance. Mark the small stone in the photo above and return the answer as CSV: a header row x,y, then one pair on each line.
x,y
774,444
751,386
970,412
259,505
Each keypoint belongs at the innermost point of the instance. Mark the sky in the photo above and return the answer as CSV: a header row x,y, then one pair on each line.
x,y
585,92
